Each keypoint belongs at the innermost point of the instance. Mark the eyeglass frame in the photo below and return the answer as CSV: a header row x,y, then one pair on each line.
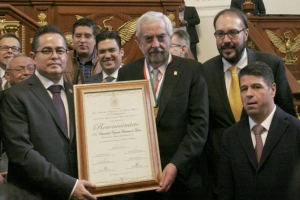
x,y
228,33
175,45
22,70
52,50
17,49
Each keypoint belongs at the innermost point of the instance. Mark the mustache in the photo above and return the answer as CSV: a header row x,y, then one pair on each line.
x,y
227,45
156,50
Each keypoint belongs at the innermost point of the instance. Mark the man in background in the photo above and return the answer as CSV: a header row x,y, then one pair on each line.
x,y
19,68
39,125
181,106
82,61
180,44
258,9
109,53
9,45
188,19
260,152
225,106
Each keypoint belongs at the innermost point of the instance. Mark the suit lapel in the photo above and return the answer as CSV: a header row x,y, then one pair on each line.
x,y
246,141
169,84
219,80
41,93
276,131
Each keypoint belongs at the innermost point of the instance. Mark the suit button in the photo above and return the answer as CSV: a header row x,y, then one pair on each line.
x,y
71,151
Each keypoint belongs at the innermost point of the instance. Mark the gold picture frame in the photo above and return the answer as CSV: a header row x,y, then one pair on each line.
x,y
117,143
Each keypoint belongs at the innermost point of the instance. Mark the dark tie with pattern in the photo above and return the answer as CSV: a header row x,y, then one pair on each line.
x,y
55,90
258,129
109,78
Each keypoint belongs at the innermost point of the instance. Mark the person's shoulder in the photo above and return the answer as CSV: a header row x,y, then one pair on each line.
x,y
136,62
217,60
235,128
266,56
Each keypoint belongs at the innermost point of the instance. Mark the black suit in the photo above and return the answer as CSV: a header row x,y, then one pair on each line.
x,y
182,117
192,18
259,6
97,78
220,114
42,159
241,177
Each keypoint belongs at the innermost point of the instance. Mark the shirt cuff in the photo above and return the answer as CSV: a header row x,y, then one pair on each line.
x,y
73,190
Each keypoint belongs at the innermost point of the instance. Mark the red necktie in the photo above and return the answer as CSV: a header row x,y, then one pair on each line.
x,y
258,129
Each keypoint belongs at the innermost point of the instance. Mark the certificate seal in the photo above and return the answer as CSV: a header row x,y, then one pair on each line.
x,y
114,101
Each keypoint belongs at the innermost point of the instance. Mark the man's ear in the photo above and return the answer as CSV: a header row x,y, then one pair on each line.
x,y
32,56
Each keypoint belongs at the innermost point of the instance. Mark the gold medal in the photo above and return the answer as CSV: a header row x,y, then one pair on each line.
x,y
155,111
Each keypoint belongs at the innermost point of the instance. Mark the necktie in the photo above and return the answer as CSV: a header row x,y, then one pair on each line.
x,y
155,77
109,78
55,90
235,95
258,129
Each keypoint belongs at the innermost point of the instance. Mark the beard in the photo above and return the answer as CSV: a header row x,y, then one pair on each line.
x,y
156,55
239,50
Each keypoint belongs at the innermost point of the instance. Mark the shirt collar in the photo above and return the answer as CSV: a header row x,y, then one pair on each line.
x,y
115,74
79,60
240,65
46,82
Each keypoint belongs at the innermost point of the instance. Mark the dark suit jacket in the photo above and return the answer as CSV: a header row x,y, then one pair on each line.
x,y
259,6
220,114
182,119
42,159
192,18
241,177
97,78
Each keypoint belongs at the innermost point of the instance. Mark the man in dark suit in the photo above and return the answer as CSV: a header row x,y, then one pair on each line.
x,y
18,68
258,9
188,19
258,164
38,137
109,53
231,34
181,105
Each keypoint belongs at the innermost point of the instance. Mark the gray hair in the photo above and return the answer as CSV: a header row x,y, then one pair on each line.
x,y
150,17
15,56
184,39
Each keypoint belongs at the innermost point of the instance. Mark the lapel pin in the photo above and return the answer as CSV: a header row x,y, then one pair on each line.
x,y
70,90
175,73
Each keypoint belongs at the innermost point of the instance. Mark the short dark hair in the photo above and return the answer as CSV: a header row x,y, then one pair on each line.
x,y
108,35
44,30
11,35
86,22
233,11
258,68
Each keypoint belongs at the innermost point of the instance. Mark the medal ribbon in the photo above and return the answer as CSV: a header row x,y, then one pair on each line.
x,y
156,90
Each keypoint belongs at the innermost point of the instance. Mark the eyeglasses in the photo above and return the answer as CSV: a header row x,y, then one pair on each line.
x,y
175,45
30,68
47,53
231,34
13,48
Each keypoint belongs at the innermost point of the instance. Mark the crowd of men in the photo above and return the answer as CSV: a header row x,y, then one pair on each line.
x,y
226,129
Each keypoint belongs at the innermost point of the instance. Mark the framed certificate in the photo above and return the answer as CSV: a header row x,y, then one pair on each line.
x,y
117,144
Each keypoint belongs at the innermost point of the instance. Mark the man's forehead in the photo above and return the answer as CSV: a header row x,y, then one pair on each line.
x,y
7,40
